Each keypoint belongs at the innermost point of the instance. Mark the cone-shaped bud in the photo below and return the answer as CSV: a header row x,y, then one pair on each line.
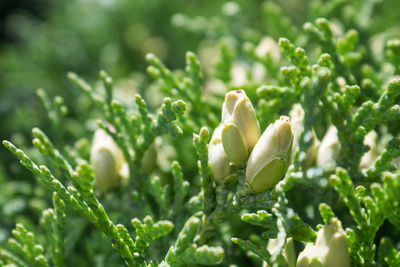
x,y
217,159
328,151
107,161
330,248
288,251
270,157
240,130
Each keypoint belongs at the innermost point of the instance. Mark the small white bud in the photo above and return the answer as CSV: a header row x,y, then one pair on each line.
x,y
288,251
330,248
369,158
107,161
270,157
296,119
217,159
258,73
239,74
268,47
328,151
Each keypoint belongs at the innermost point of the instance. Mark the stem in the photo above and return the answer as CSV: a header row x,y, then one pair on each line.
x,y
224,207
217,215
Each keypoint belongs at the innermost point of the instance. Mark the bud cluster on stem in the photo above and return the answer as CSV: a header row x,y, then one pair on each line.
x,y
237,141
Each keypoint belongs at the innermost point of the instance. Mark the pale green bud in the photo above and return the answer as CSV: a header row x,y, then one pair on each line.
x,y
270,157
330,248
217,159
241,130
288,251
149,159
107,161
328,150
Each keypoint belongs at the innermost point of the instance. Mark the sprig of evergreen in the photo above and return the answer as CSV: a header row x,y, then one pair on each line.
x,y
184,213
184,251
54,219
24,250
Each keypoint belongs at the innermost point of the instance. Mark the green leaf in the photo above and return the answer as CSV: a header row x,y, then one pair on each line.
x,y
248,245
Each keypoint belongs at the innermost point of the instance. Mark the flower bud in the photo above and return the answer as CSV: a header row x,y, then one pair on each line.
x,y
107,161
240,130
270,157
149,159
239,73
217,159
296,119
330,248
328,151
288,251
369,158
268,47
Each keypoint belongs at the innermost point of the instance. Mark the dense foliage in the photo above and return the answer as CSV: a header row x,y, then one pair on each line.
x,y
150,194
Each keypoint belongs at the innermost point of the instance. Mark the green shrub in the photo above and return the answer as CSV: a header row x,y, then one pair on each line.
x,y
337,80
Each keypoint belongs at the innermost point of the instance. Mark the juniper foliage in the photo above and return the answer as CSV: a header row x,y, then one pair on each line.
x,y
173,212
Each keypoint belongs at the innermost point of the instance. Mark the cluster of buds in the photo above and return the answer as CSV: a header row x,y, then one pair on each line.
x,y
236,141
